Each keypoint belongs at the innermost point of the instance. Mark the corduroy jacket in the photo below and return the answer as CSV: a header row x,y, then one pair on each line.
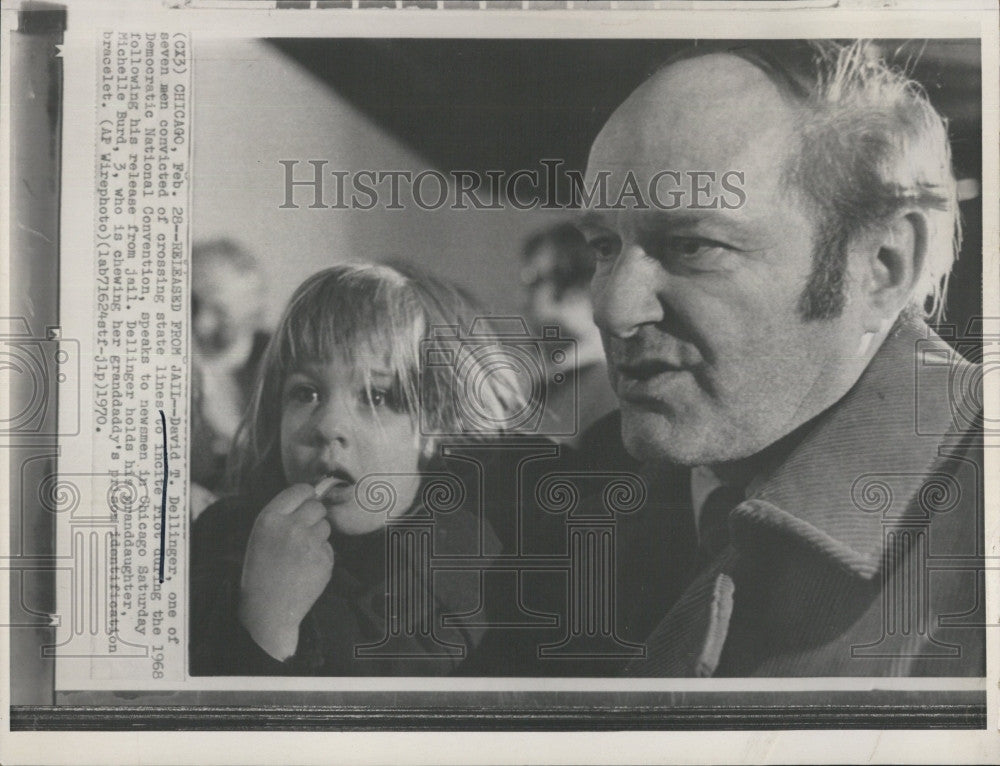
x,y
860,554
352,629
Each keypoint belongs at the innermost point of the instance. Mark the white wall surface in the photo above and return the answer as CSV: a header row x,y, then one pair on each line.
x,y
253,107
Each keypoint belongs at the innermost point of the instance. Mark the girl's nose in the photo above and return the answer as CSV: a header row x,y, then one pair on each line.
x,y
333,422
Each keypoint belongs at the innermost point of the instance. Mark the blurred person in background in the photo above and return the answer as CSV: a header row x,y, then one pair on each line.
x,y
229,337
556,273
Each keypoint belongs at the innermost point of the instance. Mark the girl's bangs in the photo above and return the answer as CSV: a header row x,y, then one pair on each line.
x,y
365,316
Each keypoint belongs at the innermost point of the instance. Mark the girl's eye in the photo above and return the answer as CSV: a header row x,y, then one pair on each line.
x,y
374,397
389,397
302,393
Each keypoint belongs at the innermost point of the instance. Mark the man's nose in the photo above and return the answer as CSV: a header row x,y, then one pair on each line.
x,y
626,297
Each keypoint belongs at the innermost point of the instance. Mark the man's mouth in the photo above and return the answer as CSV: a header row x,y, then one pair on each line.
x,y
645,369
641,382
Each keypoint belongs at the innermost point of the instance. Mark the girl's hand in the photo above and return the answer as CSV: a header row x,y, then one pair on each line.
x,y
287,565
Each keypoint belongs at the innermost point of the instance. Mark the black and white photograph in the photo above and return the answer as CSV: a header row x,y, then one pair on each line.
x,y
722,478
421,368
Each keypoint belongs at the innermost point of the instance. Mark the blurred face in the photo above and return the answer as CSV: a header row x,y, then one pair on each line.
x,y
226,304
698,305
540,293
571,310
334,425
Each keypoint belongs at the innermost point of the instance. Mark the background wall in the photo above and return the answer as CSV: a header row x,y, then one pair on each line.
x,y
255,106
449,104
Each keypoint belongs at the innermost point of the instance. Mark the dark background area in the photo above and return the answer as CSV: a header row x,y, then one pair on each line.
x,y
507,104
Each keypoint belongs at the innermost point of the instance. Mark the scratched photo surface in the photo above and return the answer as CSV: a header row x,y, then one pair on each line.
x,y
663,361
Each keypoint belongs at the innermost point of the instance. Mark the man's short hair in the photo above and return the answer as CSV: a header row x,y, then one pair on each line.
x,y
572,263
870,144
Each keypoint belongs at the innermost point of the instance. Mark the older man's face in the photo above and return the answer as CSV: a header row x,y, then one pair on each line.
x,y
698,305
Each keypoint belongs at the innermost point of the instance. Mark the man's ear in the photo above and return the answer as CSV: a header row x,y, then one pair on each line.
x,y
893,258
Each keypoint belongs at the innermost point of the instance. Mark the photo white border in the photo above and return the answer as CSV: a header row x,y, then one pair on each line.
x,y
919,20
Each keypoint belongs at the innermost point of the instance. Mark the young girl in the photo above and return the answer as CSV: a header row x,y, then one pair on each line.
x,y
290,575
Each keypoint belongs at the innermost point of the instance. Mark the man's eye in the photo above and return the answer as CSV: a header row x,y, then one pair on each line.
x,y
692,251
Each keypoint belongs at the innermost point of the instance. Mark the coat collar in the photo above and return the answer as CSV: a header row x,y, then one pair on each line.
x,y
866,457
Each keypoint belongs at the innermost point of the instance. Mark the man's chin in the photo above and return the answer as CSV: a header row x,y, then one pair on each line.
x,y
650,436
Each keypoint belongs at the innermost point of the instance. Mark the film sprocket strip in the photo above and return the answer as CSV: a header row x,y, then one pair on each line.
x,y
465,5
571,714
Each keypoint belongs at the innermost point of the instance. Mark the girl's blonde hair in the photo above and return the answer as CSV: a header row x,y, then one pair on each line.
x,y
371,315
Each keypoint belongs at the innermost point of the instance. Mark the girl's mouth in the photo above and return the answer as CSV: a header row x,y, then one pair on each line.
x,y
337,487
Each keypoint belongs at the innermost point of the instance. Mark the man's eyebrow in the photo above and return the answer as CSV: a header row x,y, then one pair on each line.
x,y
659,219
672,219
